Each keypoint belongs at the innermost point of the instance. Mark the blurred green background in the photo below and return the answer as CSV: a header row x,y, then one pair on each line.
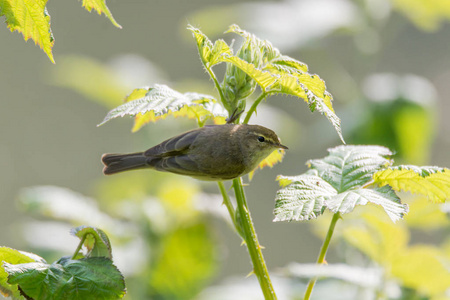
x,y
387,64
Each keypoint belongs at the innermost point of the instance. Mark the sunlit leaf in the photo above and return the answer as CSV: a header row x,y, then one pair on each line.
x,y
433,182
302,199
160,101
425,216
351,166
274,158
86,278
210,53
337,182
30,17
100,7
274,72
96,241
345,202
14,257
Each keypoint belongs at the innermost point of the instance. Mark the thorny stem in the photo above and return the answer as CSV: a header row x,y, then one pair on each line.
x,y
230,208
216,83
254,249
323,252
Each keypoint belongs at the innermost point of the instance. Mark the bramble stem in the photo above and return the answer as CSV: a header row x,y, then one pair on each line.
x,y
323,252
230,207
254,249
253,107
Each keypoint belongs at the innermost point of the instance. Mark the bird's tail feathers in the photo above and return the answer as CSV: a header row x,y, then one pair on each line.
x,y
115,163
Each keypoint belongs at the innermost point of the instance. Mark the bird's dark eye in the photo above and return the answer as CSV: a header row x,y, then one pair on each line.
x,y
261,139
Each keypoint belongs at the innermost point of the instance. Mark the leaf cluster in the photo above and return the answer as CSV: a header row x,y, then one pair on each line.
x,y
82,276
356,175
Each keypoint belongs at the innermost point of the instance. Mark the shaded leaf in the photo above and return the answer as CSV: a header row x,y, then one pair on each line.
x,y
433,182
160,101
96,241
13,256
302,199
88,278
100,7
30,17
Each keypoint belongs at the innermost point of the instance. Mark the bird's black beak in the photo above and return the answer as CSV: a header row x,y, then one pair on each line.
x,y
282,147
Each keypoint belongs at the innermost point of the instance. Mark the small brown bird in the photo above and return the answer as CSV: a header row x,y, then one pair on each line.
x,y
215,152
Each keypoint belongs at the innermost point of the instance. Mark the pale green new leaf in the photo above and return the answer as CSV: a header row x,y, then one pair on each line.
x,y
30,17
100,7
351,166
302,199
210,53
283,74
433,182
385,197
161,101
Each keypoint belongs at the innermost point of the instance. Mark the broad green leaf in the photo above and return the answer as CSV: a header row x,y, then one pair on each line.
x,y
13,256
30,17
424,216
100,7
210,53
433,182
274,158
349,166
96,241
385,197
88,278
303,199
337,182
160,101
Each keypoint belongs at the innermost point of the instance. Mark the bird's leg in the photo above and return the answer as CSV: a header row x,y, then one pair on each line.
x,y
234,116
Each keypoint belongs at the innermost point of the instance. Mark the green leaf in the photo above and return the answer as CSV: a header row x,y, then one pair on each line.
x,y
30,17
100,7
13,256
283,74
431,181
88,278
302,199
161,101
350,166
427,15
95,240
210,53
337,183
385,197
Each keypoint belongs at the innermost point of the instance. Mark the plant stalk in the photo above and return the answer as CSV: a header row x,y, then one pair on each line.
x,y
254,249
323,252
79,247
253,107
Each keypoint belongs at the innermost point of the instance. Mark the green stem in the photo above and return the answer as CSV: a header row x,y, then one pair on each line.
x,y
323,252
79,247
253,107
254,249
216,83
230,208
